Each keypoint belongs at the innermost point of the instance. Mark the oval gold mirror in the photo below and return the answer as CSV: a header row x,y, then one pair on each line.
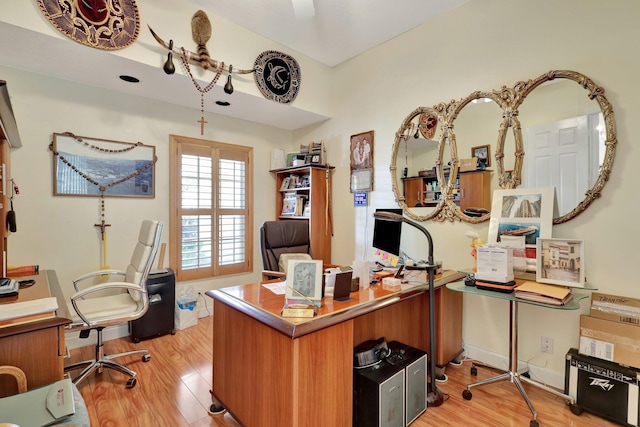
x,y
417,150
475,124
568,138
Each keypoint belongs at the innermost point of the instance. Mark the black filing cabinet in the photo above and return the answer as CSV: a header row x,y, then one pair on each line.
x,y
159,319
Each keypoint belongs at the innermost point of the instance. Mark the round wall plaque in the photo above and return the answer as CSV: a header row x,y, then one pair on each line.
x,y
103,24
277,76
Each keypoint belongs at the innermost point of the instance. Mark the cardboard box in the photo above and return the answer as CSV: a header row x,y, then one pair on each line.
x,y
616,308
468,165
610,340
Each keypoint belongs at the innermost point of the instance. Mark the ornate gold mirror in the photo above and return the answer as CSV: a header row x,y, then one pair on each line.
x,y
557,130
568,138
417,151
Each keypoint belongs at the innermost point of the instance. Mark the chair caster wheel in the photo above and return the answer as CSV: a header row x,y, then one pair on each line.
x,y
575,409
136,340
131,383
146,357
533,423
173,332
466,394
474,370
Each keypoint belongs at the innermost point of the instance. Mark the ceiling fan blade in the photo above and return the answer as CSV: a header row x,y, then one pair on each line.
x,y
303,9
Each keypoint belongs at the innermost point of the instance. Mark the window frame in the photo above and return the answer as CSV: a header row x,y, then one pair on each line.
x,y
218,150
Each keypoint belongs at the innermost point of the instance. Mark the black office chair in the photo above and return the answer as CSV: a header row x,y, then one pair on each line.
x,y
289,237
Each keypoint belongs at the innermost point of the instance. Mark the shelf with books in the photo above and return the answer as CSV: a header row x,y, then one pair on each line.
x,y
304,193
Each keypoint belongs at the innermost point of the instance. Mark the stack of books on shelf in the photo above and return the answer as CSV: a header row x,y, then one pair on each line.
x,y
293,204
541,292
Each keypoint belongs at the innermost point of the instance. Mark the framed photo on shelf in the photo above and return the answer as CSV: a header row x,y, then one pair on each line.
x,y
285,183
304,281
524,212
560,262
483,153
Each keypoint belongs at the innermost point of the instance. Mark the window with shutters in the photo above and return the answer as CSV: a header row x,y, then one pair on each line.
x,y
211,219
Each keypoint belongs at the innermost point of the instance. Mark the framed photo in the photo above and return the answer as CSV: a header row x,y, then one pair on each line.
x,y
361,180
304,281
316,159
483,153
524,212
285,183
84,166
361,150
560,262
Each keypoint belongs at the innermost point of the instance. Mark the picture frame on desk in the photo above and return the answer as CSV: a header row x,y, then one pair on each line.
x,y
560,262
304,282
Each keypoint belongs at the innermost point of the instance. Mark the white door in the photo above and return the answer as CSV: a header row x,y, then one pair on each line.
x,y
557,155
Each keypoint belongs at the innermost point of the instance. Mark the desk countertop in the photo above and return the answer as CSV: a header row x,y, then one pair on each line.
x,y
265,306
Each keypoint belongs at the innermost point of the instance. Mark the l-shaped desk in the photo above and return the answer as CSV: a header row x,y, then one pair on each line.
x,y
269,370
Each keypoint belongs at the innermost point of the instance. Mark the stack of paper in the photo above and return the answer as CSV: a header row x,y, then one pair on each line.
x,y
540,292
28,308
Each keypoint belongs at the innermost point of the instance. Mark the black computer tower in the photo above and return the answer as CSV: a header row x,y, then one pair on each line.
x,y
159,318
604,388
378,396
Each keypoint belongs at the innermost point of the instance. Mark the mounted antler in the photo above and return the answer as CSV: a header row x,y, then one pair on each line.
x,y
201,31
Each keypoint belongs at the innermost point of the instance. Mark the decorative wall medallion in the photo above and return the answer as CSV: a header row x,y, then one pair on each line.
x,y
277,76
103,24
428,125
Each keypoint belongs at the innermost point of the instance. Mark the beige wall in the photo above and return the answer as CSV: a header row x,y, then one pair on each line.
x,y
481,45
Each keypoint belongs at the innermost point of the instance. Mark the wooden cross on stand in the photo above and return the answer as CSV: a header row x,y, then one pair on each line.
x,y
202,121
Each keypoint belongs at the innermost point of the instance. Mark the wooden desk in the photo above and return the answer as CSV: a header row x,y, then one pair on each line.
x,y
34,343
269,370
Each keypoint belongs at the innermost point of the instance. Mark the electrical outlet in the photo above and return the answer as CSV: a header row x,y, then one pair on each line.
x,y
546,345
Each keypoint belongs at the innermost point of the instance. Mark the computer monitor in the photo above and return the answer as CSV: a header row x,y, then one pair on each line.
x,y
386,234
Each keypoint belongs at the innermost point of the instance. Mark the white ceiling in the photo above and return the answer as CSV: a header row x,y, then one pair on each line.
x,y
340,30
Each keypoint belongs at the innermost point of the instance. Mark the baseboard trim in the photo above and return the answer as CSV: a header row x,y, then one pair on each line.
x,y
538,373
72,339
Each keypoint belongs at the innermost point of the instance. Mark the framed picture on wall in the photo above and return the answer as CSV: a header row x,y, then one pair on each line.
x,y
483,153
362,150
84,166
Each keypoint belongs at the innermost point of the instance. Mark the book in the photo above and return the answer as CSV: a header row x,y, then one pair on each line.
x,y
289,204
540,292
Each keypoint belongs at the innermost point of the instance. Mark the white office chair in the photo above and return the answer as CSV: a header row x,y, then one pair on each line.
x,y
104,308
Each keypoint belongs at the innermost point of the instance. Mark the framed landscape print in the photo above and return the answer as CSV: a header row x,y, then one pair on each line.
x,y
560,262
84,166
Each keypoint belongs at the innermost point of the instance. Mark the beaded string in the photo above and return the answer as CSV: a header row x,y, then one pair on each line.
x,y
102,188
199,88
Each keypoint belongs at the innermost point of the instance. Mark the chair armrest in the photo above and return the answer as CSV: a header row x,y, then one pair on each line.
x,y
98,273
98,288
270,275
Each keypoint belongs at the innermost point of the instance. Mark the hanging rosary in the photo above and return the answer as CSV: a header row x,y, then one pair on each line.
x,y
199,88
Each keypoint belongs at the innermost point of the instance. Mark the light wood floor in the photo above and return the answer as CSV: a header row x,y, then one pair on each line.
x,y
173,390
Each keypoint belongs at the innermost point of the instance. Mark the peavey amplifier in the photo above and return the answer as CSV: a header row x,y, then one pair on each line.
x,y
603,388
